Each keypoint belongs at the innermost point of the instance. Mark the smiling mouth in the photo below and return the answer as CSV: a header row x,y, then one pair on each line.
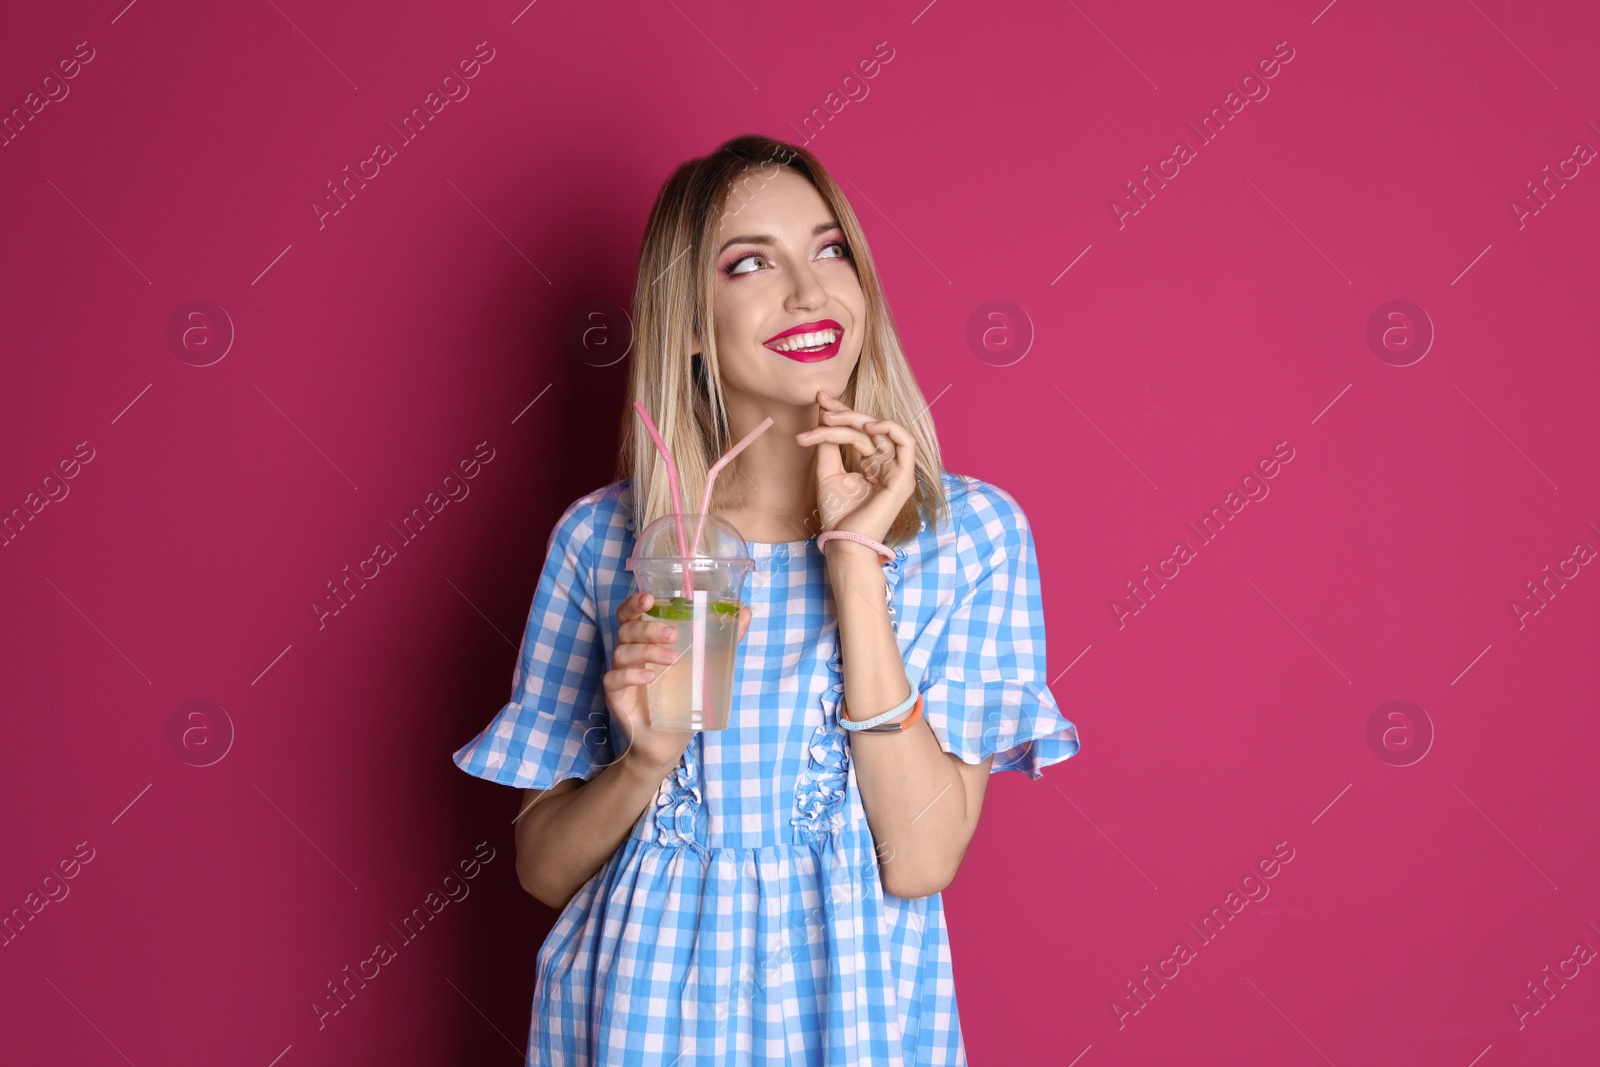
x,y
813,346
808,343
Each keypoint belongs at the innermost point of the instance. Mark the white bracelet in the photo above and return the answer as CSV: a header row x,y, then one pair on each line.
x,y
881,723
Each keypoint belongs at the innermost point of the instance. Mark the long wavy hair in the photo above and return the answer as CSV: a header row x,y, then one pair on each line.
x,y
682,389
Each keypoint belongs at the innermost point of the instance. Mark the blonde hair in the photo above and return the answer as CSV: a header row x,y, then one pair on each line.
x,y
673,302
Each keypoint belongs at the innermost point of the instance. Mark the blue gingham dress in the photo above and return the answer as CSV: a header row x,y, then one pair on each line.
x,y
744,921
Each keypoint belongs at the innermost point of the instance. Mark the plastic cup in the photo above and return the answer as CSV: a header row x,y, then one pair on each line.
x,y
701,595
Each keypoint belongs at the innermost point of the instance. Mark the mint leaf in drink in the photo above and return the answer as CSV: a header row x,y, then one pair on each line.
x,y
681,608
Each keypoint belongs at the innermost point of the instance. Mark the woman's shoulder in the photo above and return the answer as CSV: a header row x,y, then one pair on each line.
x,y
598,520
978,507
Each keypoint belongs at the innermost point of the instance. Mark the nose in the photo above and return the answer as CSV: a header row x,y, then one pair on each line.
x,y
807,291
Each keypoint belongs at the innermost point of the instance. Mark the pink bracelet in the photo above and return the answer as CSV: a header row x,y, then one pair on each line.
x,y
885,553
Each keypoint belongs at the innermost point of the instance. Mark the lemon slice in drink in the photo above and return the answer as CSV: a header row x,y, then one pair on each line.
x,y
681,608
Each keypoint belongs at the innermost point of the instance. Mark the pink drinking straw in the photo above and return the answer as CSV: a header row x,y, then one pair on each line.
x,y
672,474
705,498
711,477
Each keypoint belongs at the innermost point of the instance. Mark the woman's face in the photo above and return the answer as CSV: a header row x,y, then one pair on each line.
x,y
782,262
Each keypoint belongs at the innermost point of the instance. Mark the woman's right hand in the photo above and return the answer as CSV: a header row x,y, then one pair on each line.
x,y
642,655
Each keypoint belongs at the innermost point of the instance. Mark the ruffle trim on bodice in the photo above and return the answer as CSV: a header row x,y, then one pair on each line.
x,y
819,805
892,573
680,805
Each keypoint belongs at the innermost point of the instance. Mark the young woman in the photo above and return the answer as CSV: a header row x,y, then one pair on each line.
x,y
770,893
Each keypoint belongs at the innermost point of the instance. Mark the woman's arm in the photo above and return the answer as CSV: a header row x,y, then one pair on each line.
x,y
922,803
566,833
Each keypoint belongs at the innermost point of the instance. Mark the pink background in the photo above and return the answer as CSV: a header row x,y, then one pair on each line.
x,y
371,355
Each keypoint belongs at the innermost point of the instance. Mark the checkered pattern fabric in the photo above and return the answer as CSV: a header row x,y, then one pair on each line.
x,y
744,921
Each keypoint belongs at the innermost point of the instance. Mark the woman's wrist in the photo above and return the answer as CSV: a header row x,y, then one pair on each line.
x,y
852,544
850,562
645,770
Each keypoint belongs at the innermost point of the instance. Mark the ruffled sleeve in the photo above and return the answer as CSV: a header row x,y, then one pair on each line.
x,y
556,724
985,692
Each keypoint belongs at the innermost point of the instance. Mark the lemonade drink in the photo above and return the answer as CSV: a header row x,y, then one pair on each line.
x,y
700,593
683,697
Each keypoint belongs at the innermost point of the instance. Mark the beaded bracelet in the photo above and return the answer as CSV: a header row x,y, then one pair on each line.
x,y
885,553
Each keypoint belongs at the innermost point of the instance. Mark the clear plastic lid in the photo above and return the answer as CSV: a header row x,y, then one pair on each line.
x,y
717,563
719,542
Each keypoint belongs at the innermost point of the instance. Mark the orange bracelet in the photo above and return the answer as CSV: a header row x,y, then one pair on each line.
x,y
888,727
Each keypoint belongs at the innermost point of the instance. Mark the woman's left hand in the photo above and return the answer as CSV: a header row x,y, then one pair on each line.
x,y
868,502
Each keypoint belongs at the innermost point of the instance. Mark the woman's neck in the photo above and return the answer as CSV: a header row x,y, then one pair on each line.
x,y
766,516
771,484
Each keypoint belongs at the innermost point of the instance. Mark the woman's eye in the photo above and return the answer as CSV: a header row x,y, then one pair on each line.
x,y
734,268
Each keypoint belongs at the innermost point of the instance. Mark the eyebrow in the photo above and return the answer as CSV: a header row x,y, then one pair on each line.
x,y
763,239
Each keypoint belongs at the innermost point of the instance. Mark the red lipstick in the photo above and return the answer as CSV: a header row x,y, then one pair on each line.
x,y
814,355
